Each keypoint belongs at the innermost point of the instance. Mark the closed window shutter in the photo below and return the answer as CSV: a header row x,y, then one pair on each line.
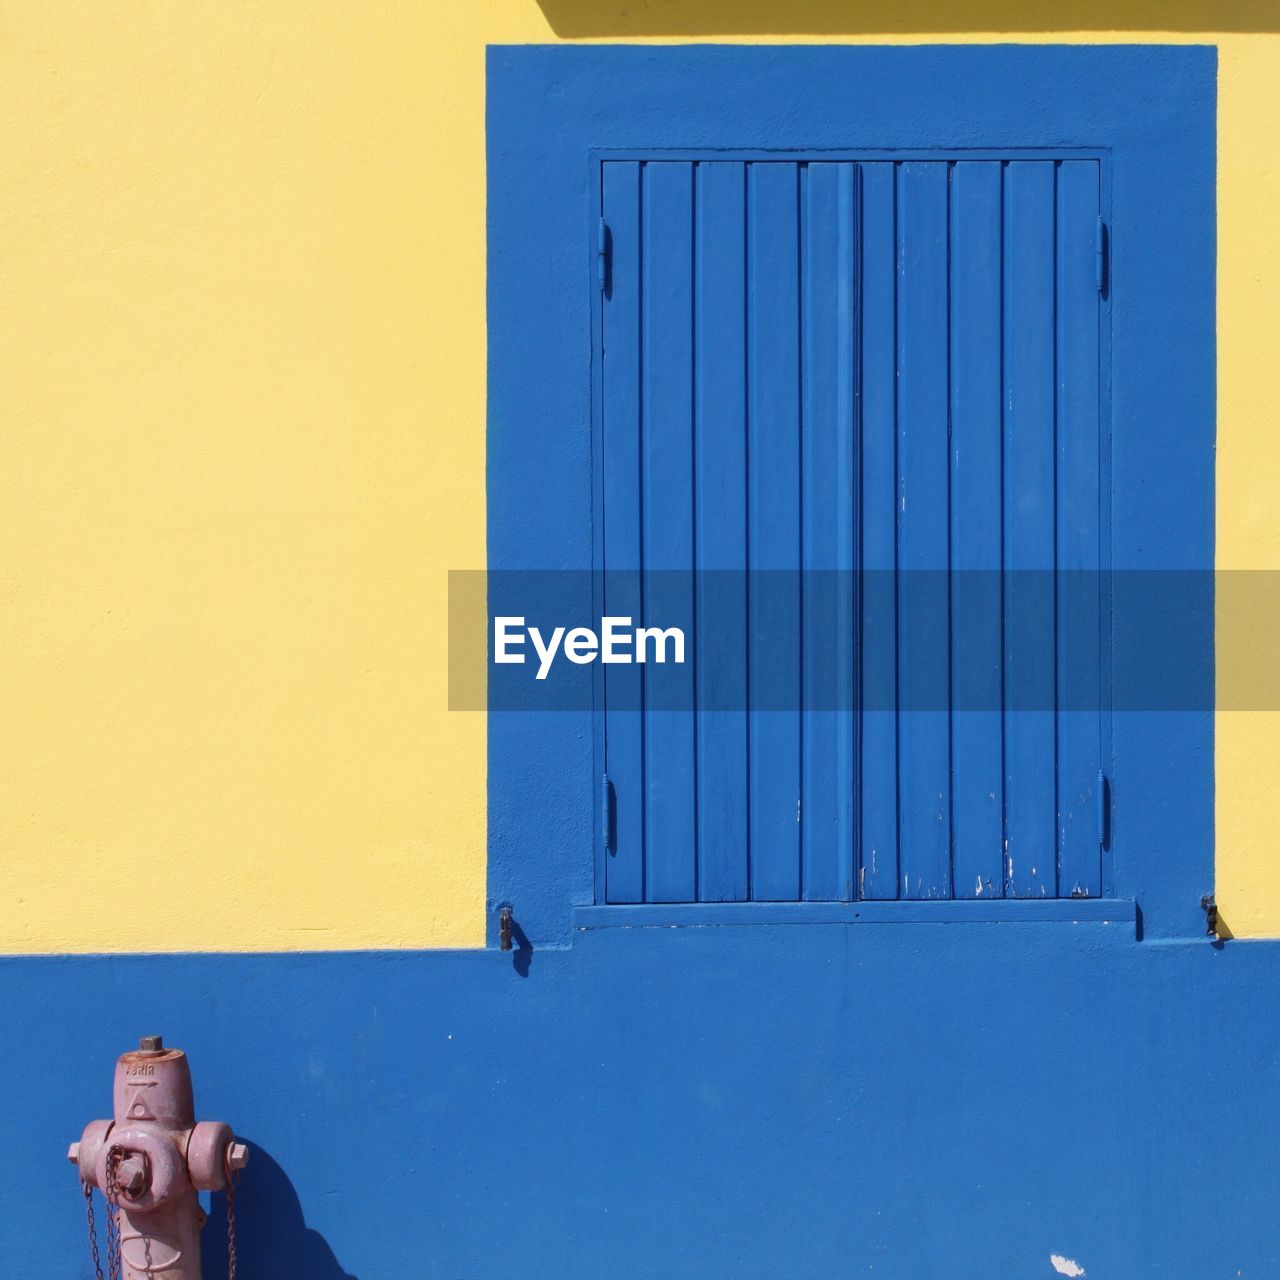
x,y
851,445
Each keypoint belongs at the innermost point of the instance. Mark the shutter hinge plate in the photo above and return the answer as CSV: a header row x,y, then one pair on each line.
x,y
1104,808
606,813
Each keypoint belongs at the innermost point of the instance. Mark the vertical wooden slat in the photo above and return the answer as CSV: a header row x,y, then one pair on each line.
x,y
670,826
1029,527
827,538
624,727
1078,480
773,452
878,694
847,516
720,504
977,739
924,728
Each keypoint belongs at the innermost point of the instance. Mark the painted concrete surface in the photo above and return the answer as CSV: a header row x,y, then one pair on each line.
x,y
245,275
957,1100
245,443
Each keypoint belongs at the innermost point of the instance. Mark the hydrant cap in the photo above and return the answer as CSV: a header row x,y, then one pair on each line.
x,y
151,1044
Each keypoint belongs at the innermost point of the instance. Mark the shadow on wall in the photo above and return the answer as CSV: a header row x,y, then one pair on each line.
x,y
272,1237
522,955
623,18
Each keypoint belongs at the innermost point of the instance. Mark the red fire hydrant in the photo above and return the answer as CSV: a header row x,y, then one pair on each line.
x,y
151,1160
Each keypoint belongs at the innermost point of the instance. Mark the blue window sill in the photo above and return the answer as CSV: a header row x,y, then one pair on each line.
x,y
960,911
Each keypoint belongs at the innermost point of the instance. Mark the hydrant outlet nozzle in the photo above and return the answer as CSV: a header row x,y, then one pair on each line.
x,y
132,1174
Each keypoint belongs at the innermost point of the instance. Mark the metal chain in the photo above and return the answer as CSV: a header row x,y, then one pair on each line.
x,y
231,1176
115,1267
111,1226
87,1188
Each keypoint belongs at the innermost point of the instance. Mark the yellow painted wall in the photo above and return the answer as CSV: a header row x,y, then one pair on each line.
x,y
242,442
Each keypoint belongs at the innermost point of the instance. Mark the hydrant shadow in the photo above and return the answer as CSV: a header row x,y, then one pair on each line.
x,y
272,1236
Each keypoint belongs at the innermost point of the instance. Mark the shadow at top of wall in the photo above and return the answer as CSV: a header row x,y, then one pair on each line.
x,y
273,1241
709,18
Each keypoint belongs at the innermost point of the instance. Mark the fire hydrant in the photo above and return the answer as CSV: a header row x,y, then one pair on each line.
x,y
151,1160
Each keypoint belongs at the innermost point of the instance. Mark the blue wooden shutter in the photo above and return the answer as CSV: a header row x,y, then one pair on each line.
x,y
851,412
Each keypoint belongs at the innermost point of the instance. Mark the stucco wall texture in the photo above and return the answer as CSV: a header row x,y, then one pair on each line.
x,y
243,444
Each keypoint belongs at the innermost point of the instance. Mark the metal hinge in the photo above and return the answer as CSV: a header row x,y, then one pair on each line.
x,y
606,812
602,254
1101,253
1104,808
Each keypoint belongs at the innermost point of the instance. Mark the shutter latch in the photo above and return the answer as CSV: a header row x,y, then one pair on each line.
x,y
1210,908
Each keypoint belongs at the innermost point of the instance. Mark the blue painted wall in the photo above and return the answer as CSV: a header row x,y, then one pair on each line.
x,y
736,1102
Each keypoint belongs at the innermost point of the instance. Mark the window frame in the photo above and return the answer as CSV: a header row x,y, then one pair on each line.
x,y
555,114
